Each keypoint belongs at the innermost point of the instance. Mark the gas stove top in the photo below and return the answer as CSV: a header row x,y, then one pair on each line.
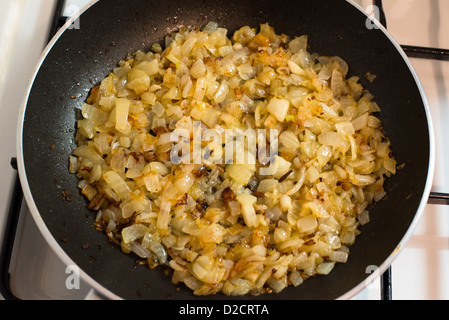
x,y
34,271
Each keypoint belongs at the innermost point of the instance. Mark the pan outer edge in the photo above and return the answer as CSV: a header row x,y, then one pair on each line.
x,y
99,290
430,173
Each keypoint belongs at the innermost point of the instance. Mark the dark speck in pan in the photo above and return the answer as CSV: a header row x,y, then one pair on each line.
x,y
66,196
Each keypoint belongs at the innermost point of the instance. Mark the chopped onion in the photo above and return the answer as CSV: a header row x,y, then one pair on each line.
x,y
164,217
312,174
117,184
325,268
278,108
243,225
363,180
294,68
222,92
307,224
184,183
234,208
239,173
298,184
198,69
364,217
324,153
273,214
210,27
333,139
246,71
200,89
298,44
285,202
267,185
345,128
134,232
289,140
390,165
379,195
249,213
277,285
317,209
361,122
141,251
121,114
296,278
281,166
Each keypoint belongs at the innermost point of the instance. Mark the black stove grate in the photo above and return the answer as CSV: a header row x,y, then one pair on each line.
x,y
58,19
17,198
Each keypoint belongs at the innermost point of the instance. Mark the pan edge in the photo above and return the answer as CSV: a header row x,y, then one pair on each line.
x,y
99,290
430,173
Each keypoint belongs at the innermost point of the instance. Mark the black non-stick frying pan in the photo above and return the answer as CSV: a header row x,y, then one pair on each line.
x,y
80,58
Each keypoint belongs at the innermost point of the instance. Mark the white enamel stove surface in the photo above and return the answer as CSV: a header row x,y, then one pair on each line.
x,y
419,272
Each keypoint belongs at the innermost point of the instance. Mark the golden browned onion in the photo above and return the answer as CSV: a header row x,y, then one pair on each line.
x,y
228,227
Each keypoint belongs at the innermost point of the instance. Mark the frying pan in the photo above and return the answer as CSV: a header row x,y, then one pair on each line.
x,y
80,58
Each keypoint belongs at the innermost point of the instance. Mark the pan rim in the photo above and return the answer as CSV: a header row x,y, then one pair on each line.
x,y
430,172
100,290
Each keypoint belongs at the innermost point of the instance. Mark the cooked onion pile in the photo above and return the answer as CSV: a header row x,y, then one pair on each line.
x,y
225,227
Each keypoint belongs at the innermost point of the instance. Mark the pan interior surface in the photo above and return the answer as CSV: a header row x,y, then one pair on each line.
x,y
109,30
